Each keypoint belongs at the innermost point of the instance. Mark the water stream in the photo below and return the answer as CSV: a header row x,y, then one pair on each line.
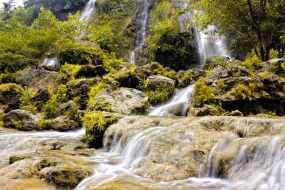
x,y
18,142
178,104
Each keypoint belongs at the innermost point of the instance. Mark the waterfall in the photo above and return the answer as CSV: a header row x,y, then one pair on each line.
x,y
88,11
208,42
127,156
180,101
142,20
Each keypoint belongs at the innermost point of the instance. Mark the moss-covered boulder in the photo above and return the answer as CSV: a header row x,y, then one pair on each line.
x,y
83,53
123,100
158,88
90,71
21,120
176,51
95,124
10,94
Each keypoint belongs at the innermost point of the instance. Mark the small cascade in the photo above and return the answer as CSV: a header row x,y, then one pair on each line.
x,y
132,57
88,11
142,20
259,163
123,158
179,102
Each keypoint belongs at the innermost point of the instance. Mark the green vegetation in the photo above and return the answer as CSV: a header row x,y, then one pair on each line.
x,y
56,99
96,123
22,45
112,28
162,23
203,94
257,24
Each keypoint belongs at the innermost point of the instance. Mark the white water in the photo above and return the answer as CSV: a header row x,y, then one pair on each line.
x,y
17,142
141,18
259,164
88,11
210,44
181,99
126,156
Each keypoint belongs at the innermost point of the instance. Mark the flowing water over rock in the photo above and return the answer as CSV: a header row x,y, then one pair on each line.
x,y
88,11
141,22
210,44
12,142
177,106
154,153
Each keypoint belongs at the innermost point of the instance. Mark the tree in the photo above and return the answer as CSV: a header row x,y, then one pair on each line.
x,y
258,22
9,6
22,45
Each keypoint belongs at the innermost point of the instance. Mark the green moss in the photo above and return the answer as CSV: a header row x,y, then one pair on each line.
x,y
156,94
68,72
222,85
96,123
10,93
7,78
26,100
264,75
203,94
94,91
55,100
252,62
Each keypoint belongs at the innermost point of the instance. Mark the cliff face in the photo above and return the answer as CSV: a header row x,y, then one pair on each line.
x,y
149,29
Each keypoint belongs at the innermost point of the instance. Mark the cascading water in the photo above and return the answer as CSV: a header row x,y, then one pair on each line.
x,y
88,11
127,156
209,44
179,102
141,19
258,164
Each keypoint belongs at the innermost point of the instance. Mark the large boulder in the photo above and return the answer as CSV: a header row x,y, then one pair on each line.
x,y
158,88
21,119
36,78
123,100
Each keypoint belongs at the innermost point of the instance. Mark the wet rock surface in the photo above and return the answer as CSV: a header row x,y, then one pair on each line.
x,y
184,143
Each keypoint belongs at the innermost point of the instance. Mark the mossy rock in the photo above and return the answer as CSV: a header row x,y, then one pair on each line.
x,y
214,62
83,53
158,88
176,51
21,120
95,124
10,94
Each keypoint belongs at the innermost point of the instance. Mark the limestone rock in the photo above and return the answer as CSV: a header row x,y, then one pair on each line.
x,y
123,100
21,119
